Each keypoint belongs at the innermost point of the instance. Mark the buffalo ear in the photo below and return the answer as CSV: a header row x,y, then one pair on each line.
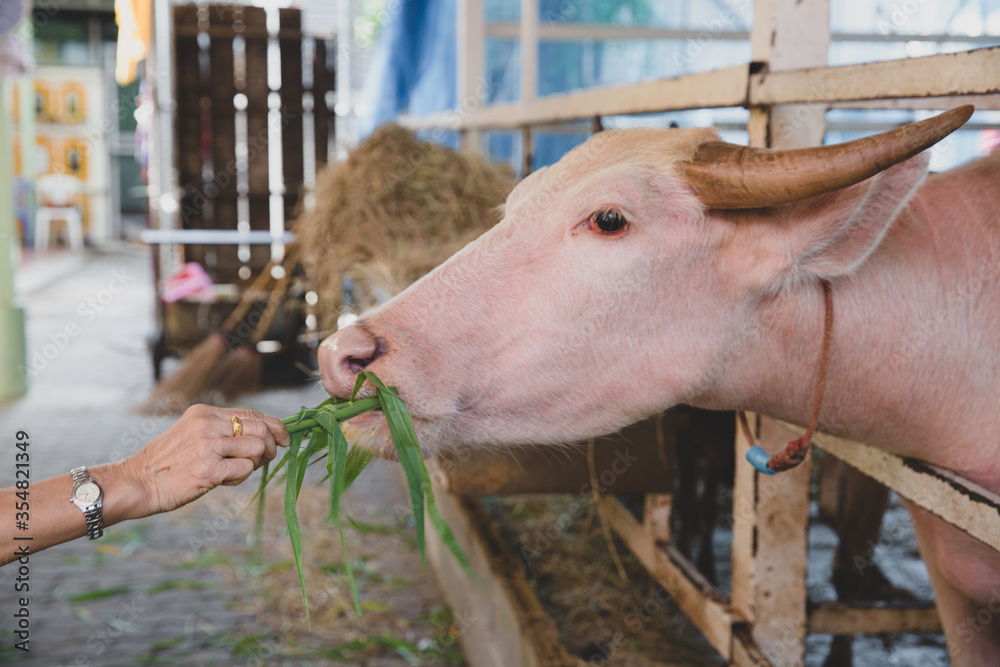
x,y
825,236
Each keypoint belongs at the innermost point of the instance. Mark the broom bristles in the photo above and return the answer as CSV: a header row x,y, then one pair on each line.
x,y
182,388
238,373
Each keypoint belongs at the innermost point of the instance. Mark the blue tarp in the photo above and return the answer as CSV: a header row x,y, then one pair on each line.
x,y
413,64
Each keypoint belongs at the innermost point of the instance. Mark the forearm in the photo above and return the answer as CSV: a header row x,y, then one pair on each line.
x,y
51,517
199,452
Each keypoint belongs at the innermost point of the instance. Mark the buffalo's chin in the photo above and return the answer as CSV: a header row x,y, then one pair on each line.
x,y
371,436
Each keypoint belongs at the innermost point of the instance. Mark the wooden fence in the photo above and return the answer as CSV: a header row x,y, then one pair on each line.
x,y
787,88
240,125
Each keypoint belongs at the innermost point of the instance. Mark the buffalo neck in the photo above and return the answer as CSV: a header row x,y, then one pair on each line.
x,y
915,357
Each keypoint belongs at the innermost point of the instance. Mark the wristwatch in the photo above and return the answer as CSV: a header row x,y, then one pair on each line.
x,y
88,496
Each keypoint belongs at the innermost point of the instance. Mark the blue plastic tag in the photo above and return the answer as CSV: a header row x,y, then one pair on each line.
x,y
758,458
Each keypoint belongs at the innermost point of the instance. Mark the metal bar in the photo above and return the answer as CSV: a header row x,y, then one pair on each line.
x,y
344,107
955,74
724,87
964,73
882,127
529,50
698,599
469,66
936,38
248,31
559,32
576,127
835,618
164,192
981,102
527,151
212,236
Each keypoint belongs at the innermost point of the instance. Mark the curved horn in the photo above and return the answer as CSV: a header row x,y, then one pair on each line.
x,y
729,176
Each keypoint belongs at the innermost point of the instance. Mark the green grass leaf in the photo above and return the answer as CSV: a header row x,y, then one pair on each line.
x,y
357,460
337,488
404,438
178,584
320,429
98,594
292,517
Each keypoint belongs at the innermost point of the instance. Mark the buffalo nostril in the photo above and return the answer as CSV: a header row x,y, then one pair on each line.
x,y
356,364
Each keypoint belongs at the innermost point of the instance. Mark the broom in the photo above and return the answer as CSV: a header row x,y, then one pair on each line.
x,y
240,370
178,391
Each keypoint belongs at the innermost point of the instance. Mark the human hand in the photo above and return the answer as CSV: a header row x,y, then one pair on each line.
x,y
197,454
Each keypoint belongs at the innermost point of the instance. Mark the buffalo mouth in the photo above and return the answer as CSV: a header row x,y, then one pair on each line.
x,y
370,432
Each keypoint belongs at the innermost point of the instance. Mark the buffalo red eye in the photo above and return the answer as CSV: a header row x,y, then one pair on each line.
x,y
609,221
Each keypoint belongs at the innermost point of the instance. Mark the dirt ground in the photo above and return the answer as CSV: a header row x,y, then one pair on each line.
x,y
601,617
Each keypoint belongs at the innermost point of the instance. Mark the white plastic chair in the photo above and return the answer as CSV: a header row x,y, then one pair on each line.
x,y
57,194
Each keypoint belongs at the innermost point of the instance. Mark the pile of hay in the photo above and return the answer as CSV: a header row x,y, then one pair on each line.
x,y
601,619
391,212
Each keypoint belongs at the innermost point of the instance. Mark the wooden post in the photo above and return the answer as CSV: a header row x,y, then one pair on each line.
x,y
527,151
770,523
164,202
786,35
658,506
344,108
771,514
470,34
656,516
529,50
529,75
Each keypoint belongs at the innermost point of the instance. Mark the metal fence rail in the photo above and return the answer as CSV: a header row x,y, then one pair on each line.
x,y
766,617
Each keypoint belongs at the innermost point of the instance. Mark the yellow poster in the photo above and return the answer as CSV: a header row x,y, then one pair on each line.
x,y
73,103
44,103
75,156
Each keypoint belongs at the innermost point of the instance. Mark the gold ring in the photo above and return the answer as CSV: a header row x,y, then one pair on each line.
x,y
237,426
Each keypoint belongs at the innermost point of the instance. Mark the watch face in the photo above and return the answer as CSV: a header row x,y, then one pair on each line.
x,y
88,492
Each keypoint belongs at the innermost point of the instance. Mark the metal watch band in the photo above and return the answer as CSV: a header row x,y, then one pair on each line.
x,y
94,515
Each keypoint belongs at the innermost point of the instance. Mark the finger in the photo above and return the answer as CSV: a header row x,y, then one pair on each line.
x,y
247,447
220,420
255,427
273,424
233,471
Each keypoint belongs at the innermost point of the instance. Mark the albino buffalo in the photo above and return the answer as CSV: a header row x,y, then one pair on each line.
x,y
650,268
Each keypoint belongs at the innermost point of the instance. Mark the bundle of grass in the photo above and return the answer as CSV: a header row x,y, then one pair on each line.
x,y
316,435
395,209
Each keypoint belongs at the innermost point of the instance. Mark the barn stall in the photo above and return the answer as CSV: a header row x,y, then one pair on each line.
x,y
766,616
